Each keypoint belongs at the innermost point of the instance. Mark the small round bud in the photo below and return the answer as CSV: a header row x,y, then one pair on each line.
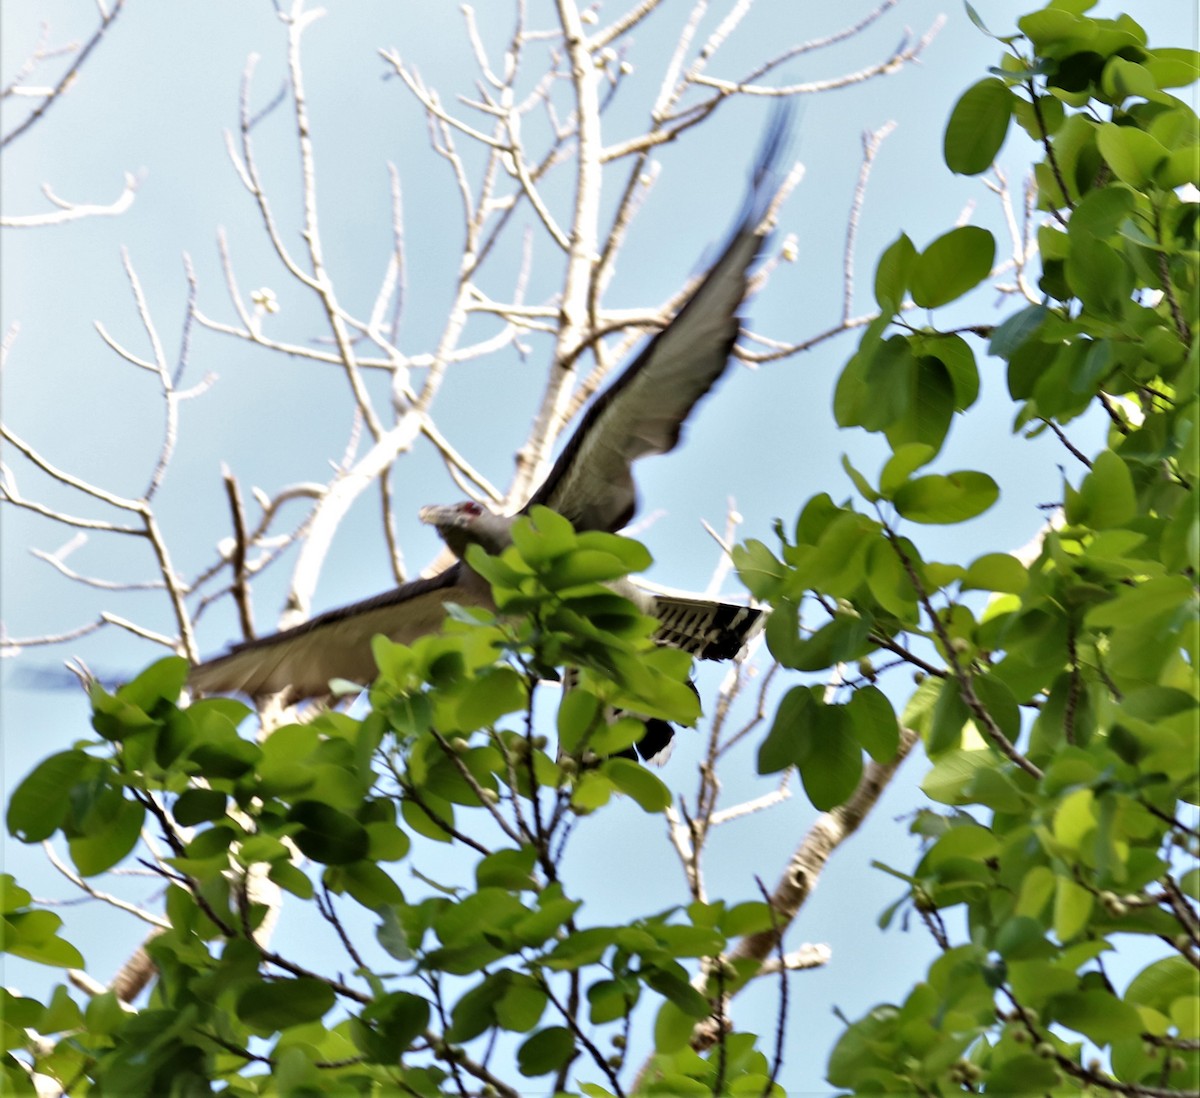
x,y
265,301
790,251
589,17
1113,905
1045,1050
540,742
489,796
619,1040
626,68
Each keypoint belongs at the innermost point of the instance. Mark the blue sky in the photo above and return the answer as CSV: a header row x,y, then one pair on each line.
x,y
155,100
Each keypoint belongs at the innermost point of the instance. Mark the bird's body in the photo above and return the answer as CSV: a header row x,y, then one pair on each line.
x,y
591,484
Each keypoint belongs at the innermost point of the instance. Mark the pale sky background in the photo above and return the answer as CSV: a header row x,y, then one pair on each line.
x,y
155,100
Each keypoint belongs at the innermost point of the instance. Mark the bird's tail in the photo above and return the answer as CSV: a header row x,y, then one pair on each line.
x,y
707,629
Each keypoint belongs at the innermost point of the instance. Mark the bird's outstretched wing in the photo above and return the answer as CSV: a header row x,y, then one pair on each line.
x,y
337,645
591,484
643,411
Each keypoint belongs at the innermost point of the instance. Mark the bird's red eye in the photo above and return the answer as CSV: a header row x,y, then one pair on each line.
x,y
472,509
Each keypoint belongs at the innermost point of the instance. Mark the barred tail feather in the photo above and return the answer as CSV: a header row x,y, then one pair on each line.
x,y
707,629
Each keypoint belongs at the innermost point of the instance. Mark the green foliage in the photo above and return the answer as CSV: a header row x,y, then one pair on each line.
x,y
323,810
1060,714
1056,701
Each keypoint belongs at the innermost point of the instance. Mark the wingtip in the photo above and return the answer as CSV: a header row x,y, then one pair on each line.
x,y
766,176
775,142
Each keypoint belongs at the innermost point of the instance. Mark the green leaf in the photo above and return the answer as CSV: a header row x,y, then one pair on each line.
x,y
543,535
781,748
952,498
889,581
953,264
1161,983
40,803
950,715
996,572
977,127
637,782
1099,275
1000,703
926,408
1098,1015
12,896
511,869
873,723
609,1000
759,569
906,460
584,566
579,716
105,840
1041,121
391,934
844,638
546,1051
522,1004
293,879
860,482
1016,330
368,883
33,935
830,759
396,1020
328,835
163,680
1134,155
495,692
277,1004
672,1028
422,823
1028,1074
1072,908
1107,497
891,273
1173,68
955,354
195,806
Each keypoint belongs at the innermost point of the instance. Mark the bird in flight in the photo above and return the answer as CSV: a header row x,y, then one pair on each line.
x,y
590,483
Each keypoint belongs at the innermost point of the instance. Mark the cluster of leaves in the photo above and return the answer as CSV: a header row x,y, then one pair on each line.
x,y
1060,714
474,981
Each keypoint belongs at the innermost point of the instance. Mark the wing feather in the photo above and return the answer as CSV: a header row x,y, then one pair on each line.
x,y
643,411
338,644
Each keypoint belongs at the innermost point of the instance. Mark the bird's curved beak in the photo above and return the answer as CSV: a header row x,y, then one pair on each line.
x,y
434,514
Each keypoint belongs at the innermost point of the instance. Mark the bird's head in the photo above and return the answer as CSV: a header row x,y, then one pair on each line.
x,y
469,523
